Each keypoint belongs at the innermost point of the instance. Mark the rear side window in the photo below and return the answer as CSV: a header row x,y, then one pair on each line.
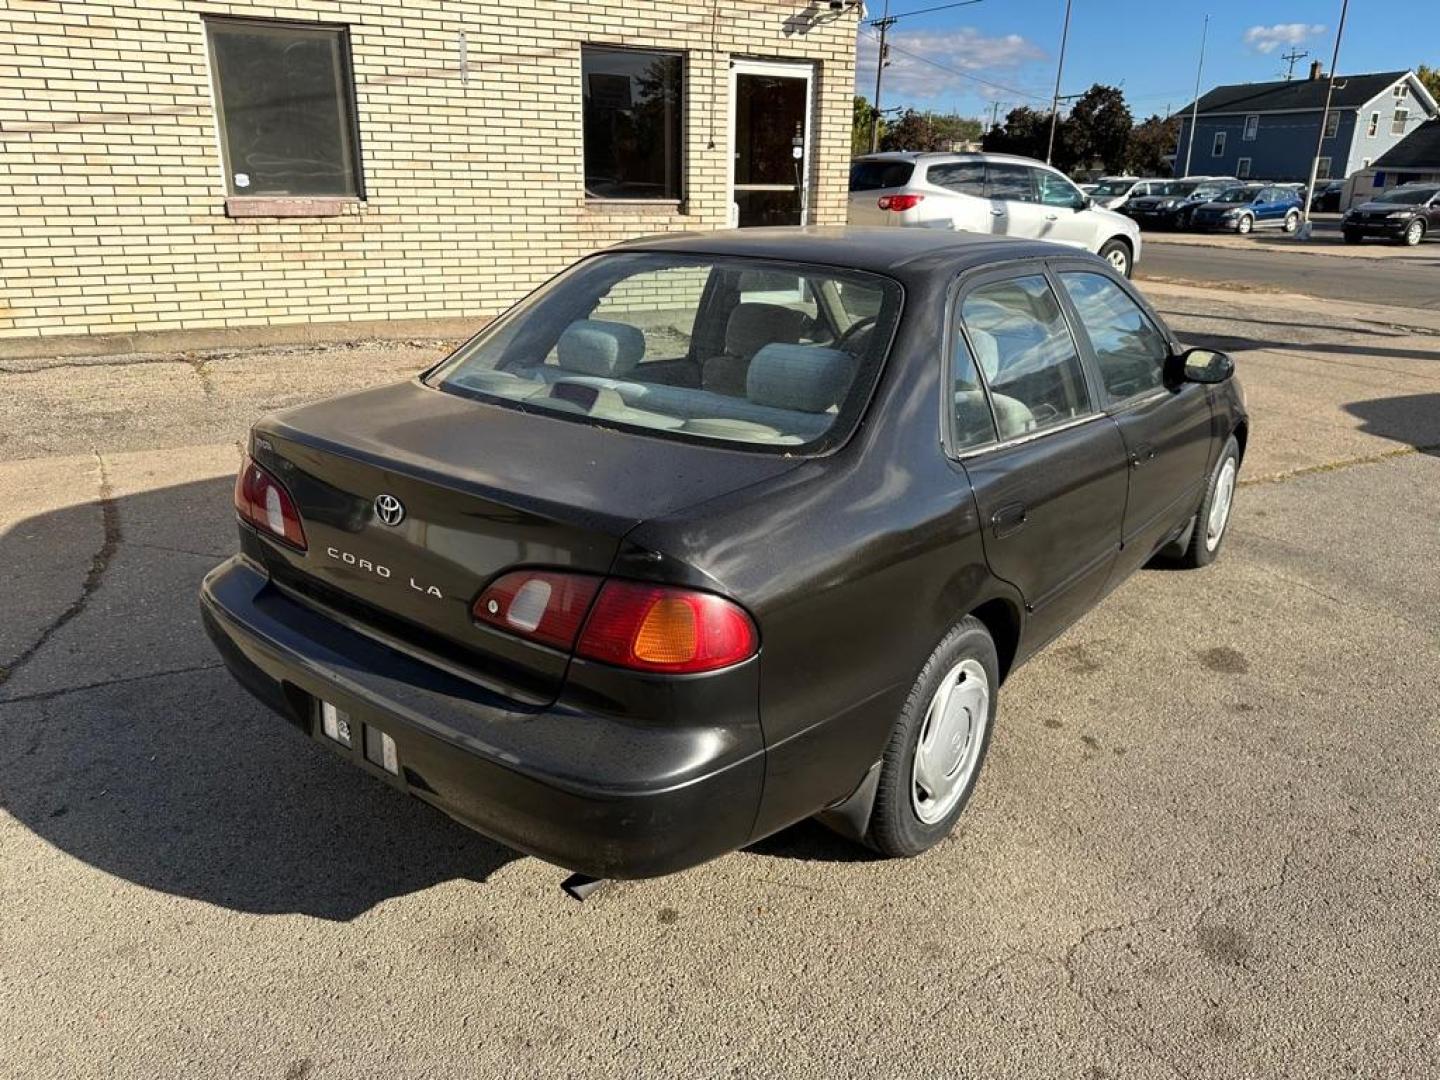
x,y
1013,182
756,353
1130,350
1024,350
962,177
874,175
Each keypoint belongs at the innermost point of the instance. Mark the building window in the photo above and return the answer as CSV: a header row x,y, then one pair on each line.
x,y
1252,125
1374,128
632,100
1242,169
283,97
1402,91
1397,124
1323,172
1217,148
1332,124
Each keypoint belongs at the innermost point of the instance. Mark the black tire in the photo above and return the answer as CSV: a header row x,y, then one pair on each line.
x,y
896,829
1201,551
1113,247
1413,234
1353,237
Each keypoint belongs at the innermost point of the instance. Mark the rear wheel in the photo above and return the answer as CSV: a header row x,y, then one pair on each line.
x,y
938,744
1414,233
1213,519
1292,221
1245,224
1117,253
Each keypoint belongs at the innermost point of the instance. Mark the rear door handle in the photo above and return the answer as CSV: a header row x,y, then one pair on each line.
x,y
1009,519
1143,454
996,212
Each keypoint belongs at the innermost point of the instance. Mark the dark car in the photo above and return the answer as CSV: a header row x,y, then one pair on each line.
x,y
1405,214
1171,207
717,532
1247,207
1327,197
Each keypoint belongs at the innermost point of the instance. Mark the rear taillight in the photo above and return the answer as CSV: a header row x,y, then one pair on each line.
x,y
263,502
900,202
625,623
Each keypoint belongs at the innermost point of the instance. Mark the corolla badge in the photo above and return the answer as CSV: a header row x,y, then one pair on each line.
x,y
389,509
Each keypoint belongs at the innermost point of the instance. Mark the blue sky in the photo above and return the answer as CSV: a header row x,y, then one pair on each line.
x,y
1149,47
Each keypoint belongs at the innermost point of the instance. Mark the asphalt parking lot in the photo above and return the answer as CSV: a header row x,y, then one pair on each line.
x,y
1204,845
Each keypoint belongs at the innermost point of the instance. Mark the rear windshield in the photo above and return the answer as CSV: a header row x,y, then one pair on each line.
x,y
874,175
762,354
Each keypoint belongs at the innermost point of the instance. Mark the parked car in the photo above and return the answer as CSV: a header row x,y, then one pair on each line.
x,y
1327,197
561,589
987,193
1113,192
1247,207
1406,214
1171,206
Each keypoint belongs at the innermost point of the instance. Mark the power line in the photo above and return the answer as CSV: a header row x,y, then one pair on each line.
x,y
957,71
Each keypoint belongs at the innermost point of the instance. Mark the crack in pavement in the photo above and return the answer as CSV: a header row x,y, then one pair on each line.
x,y
99,563
1337,466
42,696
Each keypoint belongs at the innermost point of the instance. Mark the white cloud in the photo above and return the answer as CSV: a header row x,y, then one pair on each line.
x,y
1266,39
965,50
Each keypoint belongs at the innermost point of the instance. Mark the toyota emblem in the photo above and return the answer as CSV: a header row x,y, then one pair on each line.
x,y
389,509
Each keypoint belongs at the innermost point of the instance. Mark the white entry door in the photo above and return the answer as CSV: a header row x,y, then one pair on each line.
x,y
770,108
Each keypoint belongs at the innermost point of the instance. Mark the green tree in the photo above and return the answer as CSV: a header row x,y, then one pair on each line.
x,y
1097,131
1150,143
861,120
915,130
1025,132
1431,78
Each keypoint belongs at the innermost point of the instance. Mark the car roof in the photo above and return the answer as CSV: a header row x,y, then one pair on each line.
x,y
880,249
936,157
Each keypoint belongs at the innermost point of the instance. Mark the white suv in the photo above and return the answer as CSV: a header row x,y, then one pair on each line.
x,y
988,193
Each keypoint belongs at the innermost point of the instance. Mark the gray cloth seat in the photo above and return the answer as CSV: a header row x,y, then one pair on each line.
x,y
1013,415
749,329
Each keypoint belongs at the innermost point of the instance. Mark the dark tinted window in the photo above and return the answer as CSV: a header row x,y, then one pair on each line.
x,y
965,177
1013,182
874,175
283,98
633,142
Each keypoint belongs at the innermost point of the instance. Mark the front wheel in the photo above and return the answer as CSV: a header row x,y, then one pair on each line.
x,y
1117,254
1414,233
1213,517
1245,224
938,744
1292,221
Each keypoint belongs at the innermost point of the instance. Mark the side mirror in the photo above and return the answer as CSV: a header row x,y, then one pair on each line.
x,y
1205,366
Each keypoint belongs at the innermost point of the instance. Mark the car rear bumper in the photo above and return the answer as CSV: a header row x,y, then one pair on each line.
x,y
603,795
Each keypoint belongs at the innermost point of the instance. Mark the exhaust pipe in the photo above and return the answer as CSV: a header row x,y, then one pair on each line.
x,y
581,886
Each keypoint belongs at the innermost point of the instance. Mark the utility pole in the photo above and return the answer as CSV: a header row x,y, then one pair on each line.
x,y
994,115
1059,72
882,57
1303,233
1195,107
1291,58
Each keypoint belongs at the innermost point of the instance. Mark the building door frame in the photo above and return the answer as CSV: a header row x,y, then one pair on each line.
x,y
785,69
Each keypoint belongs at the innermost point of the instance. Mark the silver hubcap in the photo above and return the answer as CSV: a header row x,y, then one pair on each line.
x,y
1244,224
1412,234
1220,505
950,740
1119,260
1291,222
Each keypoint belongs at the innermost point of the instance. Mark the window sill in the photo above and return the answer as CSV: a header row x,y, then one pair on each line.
x,y
249,206
664,206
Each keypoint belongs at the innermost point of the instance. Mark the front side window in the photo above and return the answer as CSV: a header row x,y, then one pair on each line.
x,y
1130,350
1217,149
1057,191
283,98
1332,123
632,123
963,177
1252,126
751,352
1014,183
1022,346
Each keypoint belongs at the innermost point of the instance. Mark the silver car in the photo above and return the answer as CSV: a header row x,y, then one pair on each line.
x,y
988,193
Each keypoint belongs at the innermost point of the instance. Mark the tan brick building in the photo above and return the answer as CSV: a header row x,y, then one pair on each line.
x,y
182,164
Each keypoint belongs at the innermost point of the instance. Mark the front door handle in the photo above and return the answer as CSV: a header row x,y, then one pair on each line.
x,y
996,212
1009,519
1142,455
1051,217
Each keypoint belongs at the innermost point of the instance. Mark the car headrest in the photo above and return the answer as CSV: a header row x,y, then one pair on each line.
x,y
595,347
753,326
809,378
987,351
